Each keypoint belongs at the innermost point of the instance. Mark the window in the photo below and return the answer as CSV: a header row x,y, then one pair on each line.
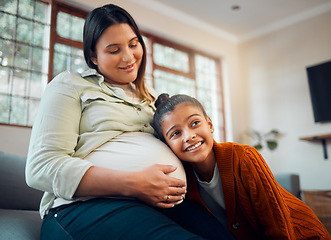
x,y
176,69
41,39
23,59
31,54
68,39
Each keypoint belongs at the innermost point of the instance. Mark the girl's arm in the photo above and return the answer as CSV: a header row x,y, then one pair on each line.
x,y
266,199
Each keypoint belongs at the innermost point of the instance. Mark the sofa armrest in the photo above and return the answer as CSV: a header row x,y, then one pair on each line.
x,y
291,182
15,193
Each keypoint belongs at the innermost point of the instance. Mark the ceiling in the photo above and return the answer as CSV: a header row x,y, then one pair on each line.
x,y
253,18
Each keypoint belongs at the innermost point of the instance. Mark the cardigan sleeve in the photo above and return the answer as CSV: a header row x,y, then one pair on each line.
x,y
266,199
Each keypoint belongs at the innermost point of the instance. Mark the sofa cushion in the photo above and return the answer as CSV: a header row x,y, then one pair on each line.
x,y
19,224
15,193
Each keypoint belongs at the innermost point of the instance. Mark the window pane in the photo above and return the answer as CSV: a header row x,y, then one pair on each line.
x,y
18,111
4,108
33,107
40,36
7,25
77,28
208,92
149,62
63,25
41,12
37,86
69,26
25,8
38,58
22,58
173,84
19,82
6,52
170,58
24,30
4,79
9,6
68,58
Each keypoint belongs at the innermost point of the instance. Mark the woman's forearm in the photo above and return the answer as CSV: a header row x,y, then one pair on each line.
x,y
99,181
151,185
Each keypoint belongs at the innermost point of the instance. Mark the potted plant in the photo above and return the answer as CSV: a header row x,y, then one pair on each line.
x,y
268,139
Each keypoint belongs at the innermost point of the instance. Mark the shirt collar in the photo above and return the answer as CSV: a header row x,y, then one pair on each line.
x,y
92,72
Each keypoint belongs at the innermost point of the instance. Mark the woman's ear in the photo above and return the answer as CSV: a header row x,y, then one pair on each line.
x,y
210,123
94,60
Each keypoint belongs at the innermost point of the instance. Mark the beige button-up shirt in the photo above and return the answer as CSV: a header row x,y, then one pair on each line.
x,y
77,114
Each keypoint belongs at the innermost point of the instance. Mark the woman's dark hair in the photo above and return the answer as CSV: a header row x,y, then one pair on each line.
x,y
97,21
165,104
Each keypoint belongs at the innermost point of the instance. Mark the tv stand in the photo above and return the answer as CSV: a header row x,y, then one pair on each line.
x,y
322,138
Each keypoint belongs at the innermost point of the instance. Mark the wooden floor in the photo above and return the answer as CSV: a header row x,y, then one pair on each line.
x,y
320,203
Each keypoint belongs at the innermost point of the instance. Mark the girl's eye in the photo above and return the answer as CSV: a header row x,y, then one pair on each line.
x,y
175,133
133,45
195,123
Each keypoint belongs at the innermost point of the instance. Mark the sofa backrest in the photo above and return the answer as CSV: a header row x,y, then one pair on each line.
x,y
14,192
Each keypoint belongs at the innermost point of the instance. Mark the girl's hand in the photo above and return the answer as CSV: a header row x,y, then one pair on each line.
x,y
154,187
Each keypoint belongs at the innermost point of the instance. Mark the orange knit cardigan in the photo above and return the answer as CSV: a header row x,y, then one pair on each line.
x,y
257,206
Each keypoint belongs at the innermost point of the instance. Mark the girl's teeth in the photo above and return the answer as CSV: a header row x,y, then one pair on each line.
x,y
194,147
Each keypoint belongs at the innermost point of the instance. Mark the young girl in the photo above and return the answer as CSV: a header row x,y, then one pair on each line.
x,y
232,180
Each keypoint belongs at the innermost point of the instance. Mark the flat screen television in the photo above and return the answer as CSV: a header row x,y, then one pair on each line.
x,y
319,79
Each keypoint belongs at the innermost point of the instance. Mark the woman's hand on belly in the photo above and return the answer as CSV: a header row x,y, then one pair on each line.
x,y
154,187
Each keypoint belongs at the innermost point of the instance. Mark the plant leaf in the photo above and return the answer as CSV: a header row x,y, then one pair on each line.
x,y
272,145
258,146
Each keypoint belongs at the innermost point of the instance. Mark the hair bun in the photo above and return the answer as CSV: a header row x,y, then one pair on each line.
x,y
161,100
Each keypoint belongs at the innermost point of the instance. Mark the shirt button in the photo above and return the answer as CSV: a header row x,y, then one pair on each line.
x,y
138,109
146,125
235,226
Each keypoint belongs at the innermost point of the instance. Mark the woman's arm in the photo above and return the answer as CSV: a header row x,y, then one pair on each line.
x,y
51,166
150,185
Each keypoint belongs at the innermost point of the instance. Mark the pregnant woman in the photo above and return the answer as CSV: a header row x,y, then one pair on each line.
x,y
93,153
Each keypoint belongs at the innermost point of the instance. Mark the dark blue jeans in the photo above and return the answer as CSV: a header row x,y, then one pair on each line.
x,y
105,218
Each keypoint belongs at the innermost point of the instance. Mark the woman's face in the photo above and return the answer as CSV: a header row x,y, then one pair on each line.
x,y
188,133
118,54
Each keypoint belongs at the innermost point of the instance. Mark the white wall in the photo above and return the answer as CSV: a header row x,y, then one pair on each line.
x,y
14,140
274,70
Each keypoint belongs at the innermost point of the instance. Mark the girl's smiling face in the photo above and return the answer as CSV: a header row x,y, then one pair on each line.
x,y
118,54
189,133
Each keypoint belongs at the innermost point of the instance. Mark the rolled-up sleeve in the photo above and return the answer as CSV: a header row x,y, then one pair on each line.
x,y
51,164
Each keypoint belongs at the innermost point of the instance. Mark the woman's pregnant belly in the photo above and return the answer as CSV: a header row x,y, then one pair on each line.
x,y
134,151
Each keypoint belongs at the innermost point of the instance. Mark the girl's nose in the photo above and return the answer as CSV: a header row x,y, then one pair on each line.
x,y
189,136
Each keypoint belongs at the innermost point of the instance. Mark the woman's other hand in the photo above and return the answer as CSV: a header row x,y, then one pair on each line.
x,y
154,187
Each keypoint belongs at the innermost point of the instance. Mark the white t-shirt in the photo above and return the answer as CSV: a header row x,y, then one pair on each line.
x,y
212,195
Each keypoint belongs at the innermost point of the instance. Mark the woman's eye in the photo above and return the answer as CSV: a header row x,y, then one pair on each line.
x,y
114,51
133,45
